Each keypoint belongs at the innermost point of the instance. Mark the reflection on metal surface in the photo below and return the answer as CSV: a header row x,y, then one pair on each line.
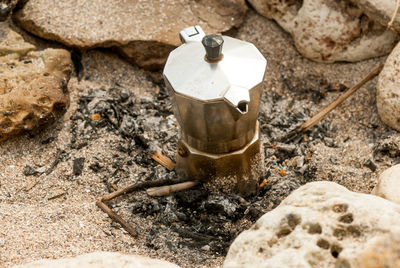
x,y
215,83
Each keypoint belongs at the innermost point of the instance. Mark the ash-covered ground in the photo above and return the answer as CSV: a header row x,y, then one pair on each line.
x,y
202,220
120,115
196,219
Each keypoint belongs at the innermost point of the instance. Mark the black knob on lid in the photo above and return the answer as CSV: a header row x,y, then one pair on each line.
x,y
213,45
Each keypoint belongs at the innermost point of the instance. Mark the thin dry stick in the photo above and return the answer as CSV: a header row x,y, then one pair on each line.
x,y
394,15
319,116
165,161
116,218
30,185
169,189
139,186
316,118
58,194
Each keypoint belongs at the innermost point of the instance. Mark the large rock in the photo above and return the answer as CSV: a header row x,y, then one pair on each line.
x,y
329,30
102,259
380,10
388,90
383,251
321,224
144,31
12,43
388,186
33,84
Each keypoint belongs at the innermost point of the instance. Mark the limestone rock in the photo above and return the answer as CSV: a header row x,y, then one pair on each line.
x,y
380,10
388,186
33,84
143,31
102,259
381,252
388,90
329,30
12,43
321,224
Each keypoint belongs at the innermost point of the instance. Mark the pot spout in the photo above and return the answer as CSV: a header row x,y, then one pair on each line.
x,y
239,98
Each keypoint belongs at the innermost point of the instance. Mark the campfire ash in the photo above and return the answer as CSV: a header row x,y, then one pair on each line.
x,y
196,218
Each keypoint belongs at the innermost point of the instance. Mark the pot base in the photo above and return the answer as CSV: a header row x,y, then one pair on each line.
x,y
234,172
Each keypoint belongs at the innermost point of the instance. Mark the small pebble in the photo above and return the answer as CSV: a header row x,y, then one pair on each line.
x,y
205,248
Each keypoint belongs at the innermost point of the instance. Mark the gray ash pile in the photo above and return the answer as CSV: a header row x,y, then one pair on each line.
x,y
194,219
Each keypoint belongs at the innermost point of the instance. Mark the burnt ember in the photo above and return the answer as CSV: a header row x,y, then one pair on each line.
x,y
78,166
201,219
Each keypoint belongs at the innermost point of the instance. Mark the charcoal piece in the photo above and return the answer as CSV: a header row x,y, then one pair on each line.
x,y
221,205
78,165
96,167
141,141
48,140
30,171
371,165
191,197
386,148
121,94
128,127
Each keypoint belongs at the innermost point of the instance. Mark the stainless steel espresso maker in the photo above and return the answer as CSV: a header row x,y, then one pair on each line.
x,y
215,83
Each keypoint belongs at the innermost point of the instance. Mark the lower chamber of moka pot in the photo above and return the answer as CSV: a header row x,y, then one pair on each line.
x,y
235,172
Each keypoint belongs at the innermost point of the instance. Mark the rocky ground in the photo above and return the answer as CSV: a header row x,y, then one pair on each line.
x,y
120,114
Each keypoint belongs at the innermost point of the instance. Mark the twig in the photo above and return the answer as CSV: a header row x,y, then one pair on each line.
x,y
139,186
116,218
163,160
169,189
394,14
319,116
263,183
58,194
315,119
31,185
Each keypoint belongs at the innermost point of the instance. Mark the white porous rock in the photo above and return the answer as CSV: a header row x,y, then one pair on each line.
x,y
321,224
388,90
382,251
101,259
329,30
388,186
